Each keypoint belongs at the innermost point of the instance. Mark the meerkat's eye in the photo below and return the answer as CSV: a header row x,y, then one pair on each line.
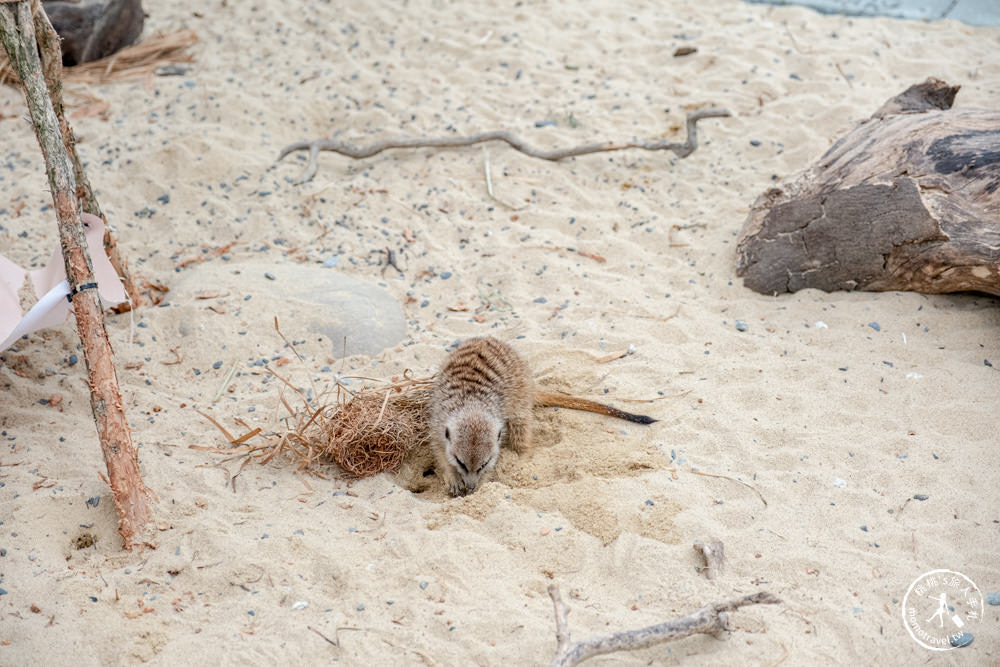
x,y
461,465
447,433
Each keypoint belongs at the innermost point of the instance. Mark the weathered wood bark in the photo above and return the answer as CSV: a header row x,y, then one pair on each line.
x,y
130,494
711,619
52,67
93,29
908,200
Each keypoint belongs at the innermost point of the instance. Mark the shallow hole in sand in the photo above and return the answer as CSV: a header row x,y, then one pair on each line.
x,y
84,541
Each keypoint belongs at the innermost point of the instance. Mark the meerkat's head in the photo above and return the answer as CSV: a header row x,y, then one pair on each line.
x,y
472,444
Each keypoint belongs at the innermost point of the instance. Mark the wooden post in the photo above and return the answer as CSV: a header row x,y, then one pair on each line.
x,y
51,55
130,494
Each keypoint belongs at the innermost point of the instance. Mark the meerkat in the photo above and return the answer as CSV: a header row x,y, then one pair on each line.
x,y
481,401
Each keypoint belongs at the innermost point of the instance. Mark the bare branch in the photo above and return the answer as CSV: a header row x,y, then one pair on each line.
x,y
712,619
314,146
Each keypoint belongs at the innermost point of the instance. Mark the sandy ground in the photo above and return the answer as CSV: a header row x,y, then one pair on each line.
x,y
816,426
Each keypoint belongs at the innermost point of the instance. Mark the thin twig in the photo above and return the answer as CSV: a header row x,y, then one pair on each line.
x,y
731,479
655,398
489,183
846,78
323,636
486,174
711,619
390,260
314,146
225,383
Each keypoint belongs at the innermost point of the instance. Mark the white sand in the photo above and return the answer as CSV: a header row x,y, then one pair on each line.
x,y
608,511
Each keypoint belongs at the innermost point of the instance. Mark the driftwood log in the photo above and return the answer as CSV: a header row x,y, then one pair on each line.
x,y
908,200
93,29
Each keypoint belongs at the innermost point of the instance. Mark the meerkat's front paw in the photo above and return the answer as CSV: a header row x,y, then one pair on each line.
x,y
454,482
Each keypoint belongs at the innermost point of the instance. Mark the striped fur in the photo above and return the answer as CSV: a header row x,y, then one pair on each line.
x,y
481,401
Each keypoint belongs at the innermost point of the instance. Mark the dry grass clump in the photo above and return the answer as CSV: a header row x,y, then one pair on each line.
x,y
136,61
365,432
373,431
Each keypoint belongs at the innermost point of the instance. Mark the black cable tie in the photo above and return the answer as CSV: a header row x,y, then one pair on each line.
x,y
78,289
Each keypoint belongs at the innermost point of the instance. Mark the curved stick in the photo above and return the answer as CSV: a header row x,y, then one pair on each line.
x,y
711,619
314,146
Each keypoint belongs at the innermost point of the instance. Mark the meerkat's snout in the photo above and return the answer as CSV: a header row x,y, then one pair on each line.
x,y
472,443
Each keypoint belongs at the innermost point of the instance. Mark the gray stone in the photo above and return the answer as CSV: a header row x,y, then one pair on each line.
x,y
307,299
972,12
958,641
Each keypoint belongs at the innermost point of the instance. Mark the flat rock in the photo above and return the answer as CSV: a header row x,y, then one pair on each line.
x,y
306,299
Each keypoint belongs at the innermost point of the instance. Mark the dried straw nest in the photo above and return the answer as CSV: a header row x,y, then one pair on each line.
x,y
138,60
373,431
365,432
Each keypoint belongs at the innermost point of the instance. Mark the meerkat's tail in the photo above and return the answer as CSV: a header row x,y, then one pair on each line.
x,y
557,400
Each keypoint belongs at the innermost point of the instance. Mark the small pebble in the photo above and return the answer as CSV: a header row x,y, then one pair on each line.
x,y
864,528
93,598
921,496
875,326
217,365
839,483
3,592
94,501
445,275
270,276
331,262
361,606
741,325
755,142
991,598
423,585
650,502
299,605
958,641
